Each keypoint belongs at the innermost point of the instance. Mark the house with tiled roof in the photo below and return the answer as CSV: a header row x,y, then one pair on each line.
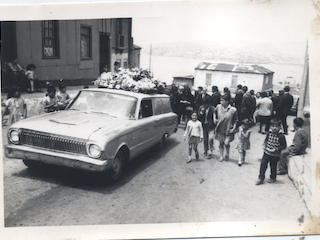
x,y
223,75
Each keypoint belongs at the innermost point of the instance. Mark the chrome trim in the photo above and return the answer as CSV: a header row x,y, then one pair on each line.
x,y
52,141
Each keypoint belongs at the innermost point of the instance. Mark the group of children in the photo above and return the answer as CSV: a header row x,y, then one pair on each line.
x,y
56,101
16,109
275,148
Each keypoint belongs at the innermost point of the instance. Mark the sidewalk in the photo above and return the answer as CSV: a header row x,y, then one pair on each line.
x,y
34,100
72,90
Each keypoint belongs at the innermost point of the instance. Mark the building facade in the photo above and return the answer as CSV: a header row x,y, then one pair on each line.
x,y
69,49
223,75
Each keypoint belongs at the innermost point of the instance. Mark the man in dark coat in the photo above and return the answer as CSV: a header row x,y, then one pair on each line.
x,y
198,99
246,105
283,108
205,116
275,99
215,98
238,100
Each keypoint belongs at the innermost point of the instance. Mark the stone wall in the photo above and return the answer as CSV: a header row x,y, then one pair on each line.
x,y
299,171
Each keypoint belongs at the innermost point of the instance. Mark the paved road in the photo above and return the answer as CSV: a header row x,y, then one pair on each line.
x,y
157,187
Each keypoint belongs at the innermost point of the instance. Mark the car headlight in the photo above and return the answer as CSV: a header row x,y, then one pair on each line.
x,y
14,136
94,150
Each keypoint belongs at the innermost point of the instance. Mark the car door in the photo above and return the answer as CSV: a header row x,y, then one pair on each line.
x,y
144,134
162,110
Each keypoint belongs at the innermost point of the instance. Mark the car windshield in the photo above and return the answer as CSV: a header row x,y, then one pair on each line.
x,y
112,104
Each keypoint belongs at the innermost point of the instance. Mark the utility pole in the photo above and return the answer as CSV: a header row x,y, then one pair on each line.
x,y
150,57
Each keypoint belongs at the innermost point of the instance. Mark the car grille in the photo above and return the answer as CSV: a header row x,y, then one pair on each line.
x,y
53,142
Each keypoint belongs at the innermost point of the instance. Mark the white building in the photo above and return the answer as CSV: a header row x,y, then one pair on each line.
x,y
223,75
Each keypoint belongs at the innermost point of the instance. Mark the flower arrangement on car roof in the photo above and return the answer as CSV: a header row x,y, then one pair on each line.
x,y
135,80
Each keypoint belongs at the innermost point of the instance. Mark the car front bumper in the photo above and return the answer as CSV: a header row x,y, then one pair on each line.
x,y
57,158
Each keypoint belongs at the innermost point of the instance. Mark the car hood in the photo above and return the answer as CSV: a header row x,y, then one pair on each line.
x,y
70,123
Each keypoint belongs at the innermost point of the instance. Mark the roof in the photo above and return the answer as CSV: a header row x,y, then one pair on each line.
x,y
239,68
136,46
186,77
127,93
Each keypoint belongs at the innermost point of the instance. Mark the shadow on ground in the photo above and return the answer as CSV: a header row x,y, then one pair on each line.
x,y
96,181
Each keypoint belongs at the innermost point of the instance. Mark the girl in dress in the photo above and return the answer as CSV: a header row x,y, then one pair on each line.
x,y
15,107
194,134
243,143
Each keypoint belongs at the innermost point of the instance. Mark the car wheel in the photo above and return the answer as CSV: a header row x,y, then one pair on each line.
x,y
162,142
30,163
117,166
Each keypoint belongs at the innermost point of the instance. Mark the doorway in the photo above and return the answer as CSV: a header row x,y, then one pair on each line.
x,y
8,51
105,51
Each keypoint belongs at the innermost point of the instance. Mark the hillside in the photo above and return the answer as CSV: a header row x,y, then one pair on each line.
x,y
243,52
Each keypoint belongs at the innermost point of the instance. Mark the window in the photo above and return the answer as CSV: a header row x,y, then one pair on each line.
x,y
208,79
85,42
125,63
146,109
120,36
161,105
234,81
50,39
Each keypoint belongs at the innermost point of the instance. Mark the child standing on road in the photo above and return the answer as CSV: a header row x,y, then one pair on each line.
x,y
194,134
33,82
274,143
16,107
243,143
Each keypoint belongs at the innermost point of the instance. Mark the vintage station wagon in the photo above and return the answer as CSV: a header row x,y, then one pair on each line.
x,y
100,130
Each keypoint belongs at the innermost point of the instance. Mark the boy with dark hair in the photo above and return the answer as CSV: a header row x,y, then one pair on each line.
x,y
205,116
274,143
62,96
51,101
298,146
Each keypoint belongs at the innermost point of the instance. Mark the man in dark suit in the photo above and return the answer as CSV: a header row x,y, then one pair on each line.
x,y
246,110
283,108
238,100
275,99
203,95
205,116
198,97
215,98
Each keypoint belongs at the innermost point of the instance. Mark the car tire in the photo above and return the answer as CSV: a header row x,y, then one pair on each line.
x,y
162,142
117,166
30,163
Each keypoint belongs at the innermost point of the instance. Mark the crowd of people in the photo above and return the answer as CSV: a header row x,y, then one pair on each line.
x,y
226,118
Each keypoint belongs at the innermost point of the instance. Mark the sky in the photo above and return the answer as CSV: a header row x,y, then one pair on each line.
x,y
279,20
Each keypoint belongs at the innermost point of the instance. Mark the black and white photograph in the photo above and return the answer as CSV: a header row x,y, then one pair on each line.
x,y
168,119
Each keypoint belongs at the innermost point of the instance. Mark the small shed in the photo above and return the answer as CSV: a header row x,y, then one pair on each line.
x,y
223,75
189,80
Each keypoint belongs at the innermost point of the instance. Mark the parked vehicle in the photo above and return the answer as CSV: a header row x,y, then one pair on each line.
x,y
99,131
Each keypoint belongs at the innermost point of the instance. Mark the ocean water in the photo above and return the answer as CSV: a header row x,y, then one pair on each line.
x,y
165,68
